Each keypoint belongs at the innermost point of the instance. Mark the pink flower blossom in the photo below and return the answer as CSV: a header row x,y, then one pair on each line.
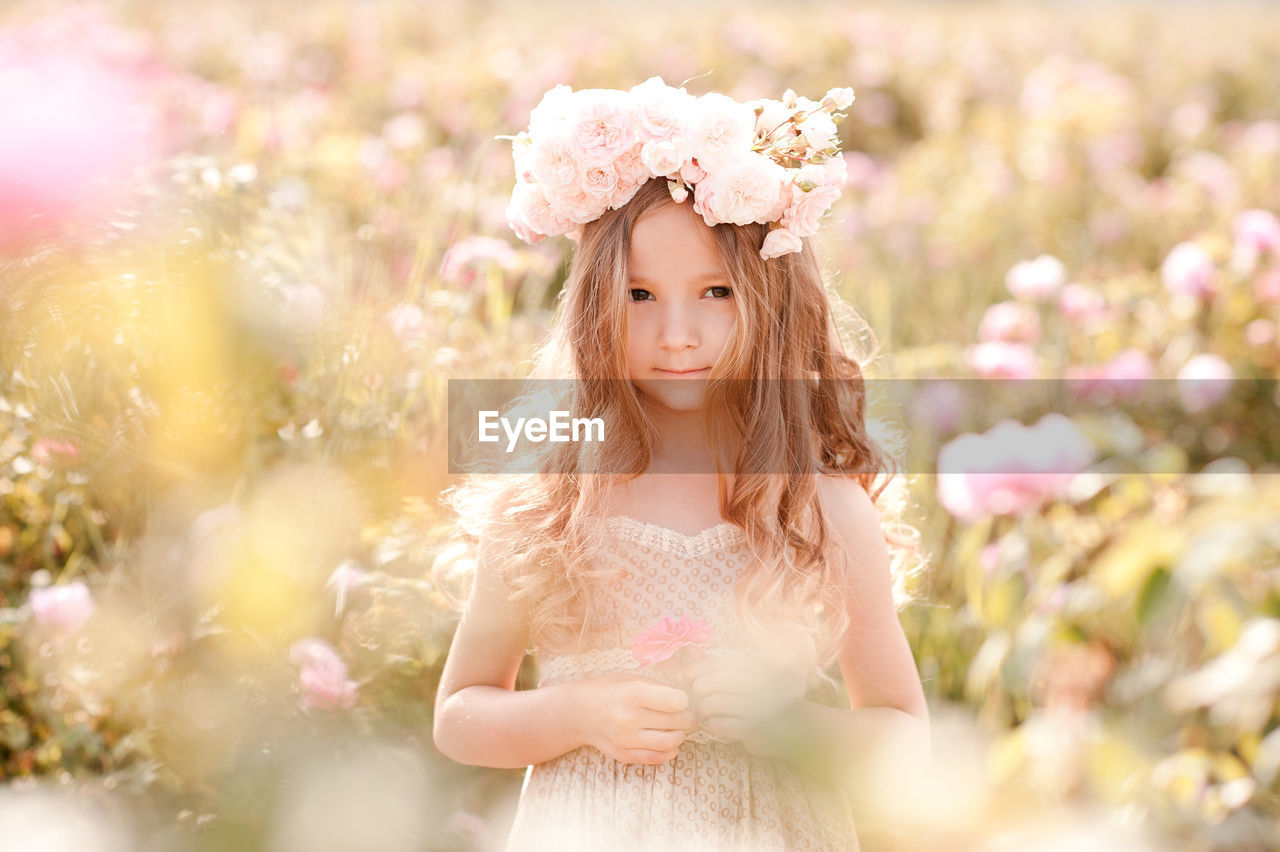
x,y
1254,232
660,111
322,675
344,580
1079,303
662,639
745,190
779,241
806,208
466,257
1266,287
720,129
63,609
1036,280
406,321
1015,322
1011,469
1123,376
46,448
601,129
938,405
1203,382
1260,332
999,359
1188,269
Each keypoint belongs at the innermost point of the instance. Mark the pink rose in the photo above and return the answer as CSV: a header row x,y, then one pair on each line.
x,y
662,639
1203,382
1012,321
602,129
1188,269
1123,376
553,164
806,208
1254,232
1266,287
322,676
1080,303
600,182
691,172
780,241
999,359
1011,469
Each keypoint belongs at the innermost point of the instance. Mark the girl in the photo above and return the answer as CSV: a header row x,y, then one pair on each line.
x,y
732,508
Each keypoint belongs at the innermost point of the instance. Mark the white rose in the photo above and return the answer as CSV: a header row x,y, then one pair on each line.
x,y
551,112
744,190
720,130
660,111
819,130
553,165
665,157
773,115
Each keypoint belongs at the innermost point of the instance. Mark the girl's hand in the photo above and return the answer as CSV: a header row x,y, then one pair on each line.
x,y
741,695
635,719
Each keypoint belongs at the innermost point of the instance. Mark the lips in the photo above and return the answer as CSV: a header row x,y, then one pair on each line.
x,y
684,372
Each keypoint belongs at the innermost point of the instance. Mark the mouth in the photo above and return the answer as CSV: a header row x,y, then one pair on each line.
x,y
684,372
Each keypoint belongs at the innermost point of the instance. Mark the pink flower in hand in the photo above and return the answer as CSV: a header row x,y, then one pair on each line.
x,y
662,639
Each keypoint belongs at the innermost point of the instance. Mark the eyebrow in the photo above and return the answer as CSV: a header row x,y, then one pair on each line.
x,y
706,276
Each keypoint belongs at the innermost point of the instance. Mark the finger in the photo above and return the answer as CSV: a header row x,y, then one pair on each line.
x,y
723,680
659,721
727,726
663,698
659,741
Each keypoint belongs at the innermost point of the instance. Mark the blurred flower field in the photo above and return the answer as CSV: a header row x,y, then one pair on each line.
x,y
243,249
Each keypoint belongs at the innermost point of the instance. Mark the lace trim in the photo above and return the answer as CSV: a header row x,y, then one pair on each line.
x,y
655,537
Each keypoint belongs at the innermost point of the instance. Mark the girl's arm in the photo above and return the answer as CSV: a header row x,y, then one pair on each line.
x,y
886,733
480,718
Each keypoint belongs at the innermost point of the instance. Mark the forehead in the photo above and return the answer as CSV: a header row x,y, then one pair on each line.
x,y
673,237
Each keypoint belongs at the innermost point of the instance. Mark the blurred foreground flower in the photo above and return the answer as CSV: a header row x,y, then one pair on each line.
x,y
63,609
73,127
1011,469
323,675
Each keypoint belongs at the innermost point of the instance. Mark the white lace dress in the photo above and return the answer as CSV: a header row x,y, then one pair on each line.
x,y
714,794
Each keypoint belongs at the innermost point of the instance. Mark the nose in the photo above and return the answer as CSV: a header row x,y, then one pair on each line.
x,y
678,330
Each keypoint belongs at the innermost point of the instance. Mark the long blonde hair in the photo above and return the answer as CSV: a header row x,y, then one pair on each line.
x,y
806,417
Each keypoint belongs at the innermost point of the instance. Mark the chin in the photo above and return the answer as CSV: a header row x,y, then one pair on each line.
x,y
670,395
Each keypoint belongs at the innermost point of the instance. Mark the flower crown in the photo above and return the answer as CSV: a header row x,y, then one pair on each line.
x,y
767,161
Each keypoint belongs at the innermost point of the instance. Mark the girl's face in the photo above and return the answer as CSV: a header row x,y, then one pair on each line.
x,y
680,306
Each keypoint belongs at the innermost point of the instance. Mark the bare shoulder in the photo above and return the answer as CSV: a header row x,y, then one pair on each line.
x,y
852,519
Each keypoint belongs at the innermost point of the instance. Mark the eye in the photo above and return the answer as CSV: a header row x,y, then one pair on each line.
x,y
720,292
639,295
